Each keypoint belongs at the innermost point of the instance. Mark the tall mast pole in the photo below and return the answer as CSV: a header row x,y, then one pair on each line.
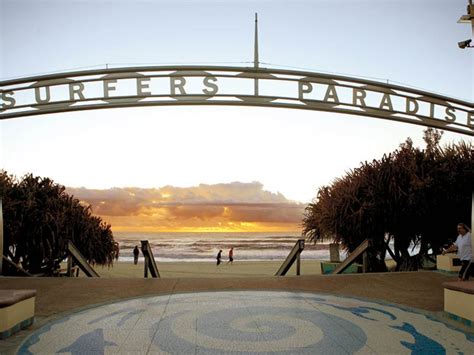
x,y
255,50
470,11
255,55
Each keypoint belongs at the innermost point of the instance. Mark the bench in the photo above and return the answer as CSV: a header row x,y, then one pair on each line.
x,y
65,272
17,311
449,263
329,267
459,301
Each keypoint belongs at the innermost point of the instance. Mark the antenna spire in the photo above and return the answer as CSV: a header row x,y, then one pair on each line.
x,y
255,50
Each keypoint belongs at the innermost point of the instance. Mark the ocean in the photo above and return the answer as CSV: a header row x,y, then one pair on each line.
x,y
204,246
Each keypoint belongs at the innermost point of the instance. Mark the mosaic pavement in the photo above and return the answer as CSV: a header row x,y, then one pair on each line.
x,y
247,322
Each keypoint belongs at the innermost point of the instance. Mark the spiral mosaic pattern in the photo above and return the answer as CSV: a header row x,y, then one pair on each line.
x,y
247,322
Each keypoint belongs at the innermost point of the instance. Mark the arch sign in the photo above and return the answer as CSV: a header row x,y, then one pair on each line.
x,y
217,85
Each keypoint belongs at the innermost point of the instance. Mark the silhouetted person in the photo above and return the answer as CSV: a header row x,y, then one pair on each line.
x,y
219,256
136,253
116,250
231,255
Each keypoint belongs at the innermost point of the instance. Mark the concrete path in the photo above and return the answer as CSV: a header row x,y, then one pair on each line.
x,y
422,289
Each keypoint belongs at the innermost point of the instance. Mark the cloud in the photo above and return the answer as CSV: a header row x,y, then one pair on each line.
x,y
232,206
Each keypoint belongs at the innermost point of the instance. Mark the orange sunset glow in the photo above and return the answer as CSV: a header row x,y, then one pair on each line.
x,y
231,207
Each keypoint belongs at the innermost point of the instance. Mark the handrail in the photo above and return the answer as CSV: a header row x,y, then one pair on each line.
x,y
362,248
293,256
80,260
150,263
15,265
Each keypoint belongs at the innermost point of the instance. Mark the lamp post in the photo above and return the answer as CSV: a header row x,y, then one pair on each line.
x,y
472,225
1,235
469,18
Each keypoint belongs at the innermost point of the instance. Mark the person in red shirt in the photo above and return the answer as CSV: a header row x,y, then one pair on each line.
x,y
231,256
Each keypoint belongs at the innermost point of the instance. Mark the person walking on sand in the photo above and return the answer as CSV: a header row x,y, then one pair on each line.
x,y
136,253
463,247
116,250
231,256
219,256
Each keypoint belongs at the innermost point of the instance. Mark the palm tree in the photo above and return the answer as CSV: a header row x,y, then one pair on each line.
x,y
39,219
411,196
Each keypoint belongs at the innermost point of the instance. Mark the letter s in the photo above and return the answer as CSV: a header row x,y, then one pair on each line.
x,y
210,83
8,99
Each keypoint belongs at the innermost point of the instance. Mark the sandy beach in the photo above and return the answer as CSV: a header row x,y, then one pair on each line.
x,y
123,269
126,269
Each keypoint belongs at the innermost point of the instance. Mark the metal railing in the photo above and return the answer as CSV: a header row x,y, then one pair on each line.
x,y
14,265
74,255
291,258
360,250
150,263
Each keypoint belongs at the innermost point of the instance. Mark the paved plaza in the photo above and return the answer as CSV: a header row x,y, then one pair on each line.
x,y
247,322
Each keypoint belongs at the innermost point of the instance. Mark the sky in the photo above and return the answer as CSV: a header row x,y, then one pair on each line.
x,y
244,168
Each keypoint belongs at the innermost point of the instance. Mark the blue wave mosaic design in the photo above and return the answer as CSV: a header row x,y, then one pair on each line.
x,y
247,322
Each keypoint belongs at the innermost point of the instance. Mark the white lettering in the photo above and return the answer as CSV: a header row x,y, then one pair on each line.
x,y
177,82
450,114
8,99
386,102
358,95
331,94
409,103
38,98
211,86
304,88
432,109
108,87
142,85
76,88
470,119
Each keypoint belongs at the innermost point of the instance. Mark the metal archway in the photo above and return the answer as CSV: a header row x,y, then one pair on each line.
x,y
239,86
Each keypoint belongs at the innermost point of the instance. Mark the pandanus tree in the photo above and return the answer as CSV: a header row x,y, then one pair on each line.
x,y
40,218
412,196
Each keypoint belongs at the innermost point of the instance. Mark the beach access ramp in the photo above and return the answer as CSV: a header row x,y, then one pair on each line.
x,y
360,250
150,263
75,255
291,258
